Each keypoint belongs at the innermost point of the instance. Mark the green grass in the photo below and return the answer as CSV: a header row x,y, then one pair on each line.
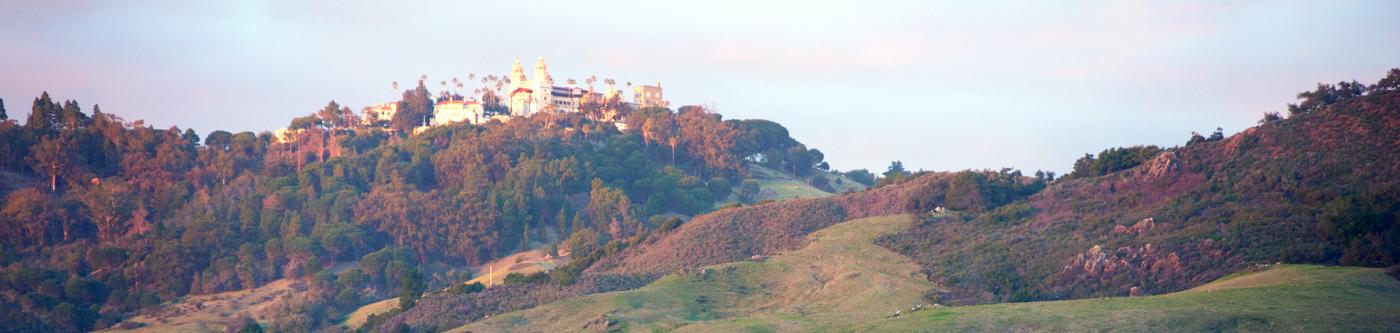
x,y
839,278
778,186
1299,298
840,281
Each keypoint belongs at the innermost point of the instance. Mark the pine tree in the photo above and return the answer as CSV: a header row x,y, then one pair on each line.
x,y
411,288
562,221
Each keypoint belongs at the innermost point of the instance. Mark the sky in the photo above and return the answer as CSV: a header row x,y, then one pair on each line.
x,y
939,85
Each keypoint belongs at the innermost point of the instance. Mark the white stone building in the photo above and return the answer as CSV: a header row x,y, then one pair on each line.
x,y
380,112
456,110
530,96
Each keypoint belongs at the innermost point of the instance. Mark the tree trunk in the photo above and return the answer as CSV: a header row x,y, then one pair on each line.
x,y
53,177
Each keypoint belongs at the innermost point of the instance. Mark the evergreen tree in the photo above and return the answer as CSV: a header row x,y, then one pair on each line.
x,y
411,288
44,116
896,169
414,109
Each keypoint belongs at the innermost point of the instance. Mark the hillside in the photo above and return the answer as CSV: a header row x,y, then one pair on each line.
x,y
216,312
840,280
96,209
1285,298
1317,187
98,206
726,235
778,186
490,274
733,234
839,277
1181,217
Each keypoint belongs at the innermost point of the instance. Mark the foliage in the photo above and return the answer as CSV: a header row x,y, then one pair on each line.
x,y
1112,160
862,176
111,201
1367,226
464,288
1313,188
411,287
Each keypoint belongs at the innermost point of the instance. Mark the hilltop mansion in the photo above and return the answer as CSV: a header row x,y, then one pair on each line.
x,y
524,97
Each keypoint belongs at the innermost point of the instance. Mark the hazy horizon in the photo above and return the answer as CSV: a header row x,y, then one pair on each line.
x,y
1035,87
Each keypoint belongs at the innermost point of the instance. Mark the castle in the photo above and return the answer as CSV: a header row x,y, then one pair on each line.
x,y
524,97
529,96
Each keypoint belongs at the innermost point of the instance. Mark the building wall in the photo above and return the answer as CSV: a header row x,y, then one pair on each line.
x,y
382,111
649,96
521,102
448,112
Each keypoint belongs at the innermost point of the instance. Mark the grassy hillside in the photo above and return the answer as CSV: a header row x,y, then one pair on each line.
x,y
214,312
841,281
1317,187
1297,298
839,278
361,315
778,186
1320,187
727,235
733,234
524,262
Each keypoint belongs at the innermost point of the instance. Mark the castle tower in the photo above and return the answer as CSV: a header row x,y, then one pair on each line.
x,y
517,75
543,85
520,95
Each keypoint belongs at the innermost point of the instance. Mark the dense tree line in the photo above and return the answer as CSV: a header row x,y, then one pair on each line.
x,y
132,216
1112,160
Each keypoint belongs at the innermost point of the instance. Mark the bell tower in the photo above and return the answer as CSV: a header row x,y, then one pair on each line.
x,y
517,76
543,85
